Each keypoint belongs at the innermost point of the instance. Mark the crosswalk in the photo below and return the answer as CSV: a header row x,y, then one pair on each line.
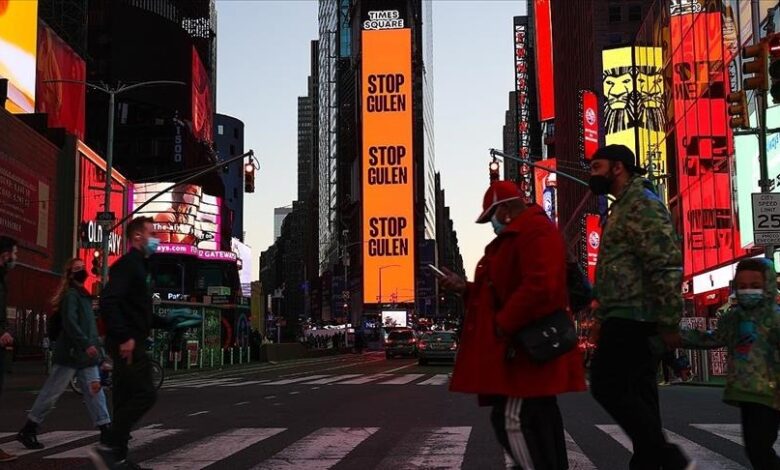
x,y
314,379
445,447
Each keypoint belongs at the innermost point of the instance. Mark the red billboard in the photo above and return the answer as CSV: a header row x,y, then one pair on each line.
x,y
544,59
589,132
593,242
64,103
704,142
202,113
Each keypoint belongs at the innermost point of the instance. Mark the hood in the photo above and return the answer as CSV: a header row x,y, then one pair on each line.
x,y
770,286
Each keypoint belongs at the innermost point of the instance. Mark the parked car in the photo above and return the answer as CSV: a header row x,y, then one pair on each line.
x,y
400,342
437,346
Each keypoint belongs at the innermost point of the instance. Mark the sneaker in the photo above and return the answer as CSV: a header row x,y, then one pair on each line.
x,y
6,457
29,440
103,457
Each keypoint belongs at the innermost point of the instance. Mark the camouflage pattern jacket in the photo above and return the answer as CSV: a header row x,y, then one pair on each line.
x,y
639,269
752,338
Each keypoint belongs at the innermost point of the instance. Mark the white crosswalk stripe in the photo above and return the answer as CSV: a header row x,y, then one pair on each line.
x,y
429,448
403,379
212,449
49,439
331,380
318,451
299,379
731,432
577,458
242,384
438,379
383,378
6,434
365,379
141,438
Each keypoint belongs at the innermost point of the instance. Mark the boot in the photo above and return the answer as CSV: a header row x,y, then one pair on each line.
x,y
28,436
105,429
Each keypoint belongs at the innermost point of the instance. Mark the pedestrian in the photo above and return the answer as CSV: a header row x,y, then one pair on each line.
x,y
638,303
76,353
8,252
751,333
520,280
126,307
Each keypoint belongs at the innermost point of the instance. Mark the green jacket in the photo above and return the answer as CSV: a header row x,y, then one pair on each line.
x,y
752,338
639,271
79,331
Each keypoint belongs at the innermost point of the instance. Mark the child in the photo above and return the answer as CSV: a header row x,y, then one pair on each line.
x,y
750,330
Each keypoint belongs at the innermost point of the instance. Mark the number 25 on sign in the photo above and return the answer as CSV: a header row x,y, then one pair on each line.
x,y
766,218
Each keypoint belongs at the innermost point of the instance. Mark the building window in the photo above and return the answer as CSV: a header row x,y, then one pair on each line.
x,y
635,13
220,129
615,39
232,150
615,15
235,132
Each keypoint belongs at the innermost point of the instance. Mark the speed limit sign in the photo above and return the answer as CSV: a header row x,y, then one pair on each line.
x,y
766,218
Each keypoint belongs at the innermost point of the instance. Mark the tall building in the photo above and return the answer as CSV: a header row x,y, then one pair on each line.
x,y
305,147
450,305
280,213
229,141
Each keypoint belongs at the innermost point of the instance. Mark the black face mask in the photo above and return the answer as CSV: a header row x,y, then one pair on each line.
x,y
599,184
80,276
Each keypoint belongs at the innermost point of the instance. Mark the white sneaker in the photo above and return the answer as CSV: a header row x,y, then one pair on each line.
x,y
692,465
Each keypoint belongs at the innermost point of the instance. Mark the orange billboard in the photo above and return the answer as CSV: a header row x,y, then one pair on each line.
x,y
388,167
18,42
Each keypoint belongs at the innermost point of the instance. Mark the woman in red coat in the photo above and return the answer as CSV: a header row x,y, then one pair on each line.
x,y
521,279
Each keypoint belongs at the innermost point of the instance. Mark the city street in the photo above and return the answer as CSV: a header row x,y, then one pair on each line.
x,y
352,412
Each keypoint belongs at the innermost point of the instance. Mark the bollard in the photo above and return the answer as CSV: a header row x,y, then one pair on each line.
x,y
231,356
162,360
200,358
212,356
222,357
189,358
175,361
240,355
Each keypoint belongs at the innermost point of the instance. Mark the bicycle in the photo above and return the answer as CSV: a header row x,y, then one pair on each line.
x,y
105,366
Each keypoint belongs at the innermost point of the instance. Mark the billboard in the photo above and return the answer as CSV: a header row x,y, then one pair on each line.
x,y
244,259
388,166
593,243
18,41
184,215
589,132
64,103
394,319
25,209
523,109
545,183
703,140
202,112
544,59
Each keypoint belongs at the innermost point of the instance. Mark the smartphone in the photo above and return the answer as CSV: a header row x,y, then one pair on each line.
x,y
438,271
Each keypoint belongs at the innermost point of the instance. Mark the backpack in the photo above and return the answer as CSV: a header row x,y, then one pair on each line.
x,y
580,290
54,325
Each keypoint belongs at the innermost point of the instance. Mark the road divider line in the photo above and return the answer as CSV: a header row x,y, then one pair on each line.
x,y
198,413
241,403
443,447
320,450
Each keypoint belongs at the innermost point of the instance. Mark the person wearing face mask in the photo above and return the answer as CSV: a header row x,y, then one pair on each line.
x,y
76,353
750,330
7,261
520,280
126,309
638,304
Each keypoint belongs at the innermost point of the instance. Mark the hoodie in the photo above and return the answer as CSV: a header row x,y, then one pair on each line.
x,y
752,339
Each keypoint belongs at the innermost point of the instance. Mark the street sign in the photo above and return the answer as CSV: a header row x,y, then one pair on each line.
x,y
766,218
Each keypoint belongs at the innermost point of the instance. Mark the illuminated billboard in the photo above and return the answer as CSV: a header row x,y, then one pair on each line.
x,y
394,319
634,105
593,242
703,141
523,114
388,167
202,113
589,131
184,216
545,83
545,183
18,45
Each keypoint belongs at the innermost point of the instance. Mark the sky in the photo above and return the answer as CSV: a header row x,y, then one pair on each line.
x,y
263,64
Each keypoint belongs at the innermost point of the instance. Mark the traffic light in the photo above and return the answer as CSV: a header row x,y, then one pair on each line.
x,y
738,110
773,44
494,167
756,67
97,262
249,178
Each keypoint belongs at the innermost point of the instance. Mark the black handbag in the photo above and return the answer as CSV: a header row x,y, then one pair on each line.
x,y
547,338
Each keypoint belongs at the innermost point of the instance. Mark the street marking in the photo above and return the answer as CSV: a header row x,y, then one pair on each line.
x,y
399,368
241,384
436,448
365,379
269,397
141,438
438,379
299,379
403,379
211,449
6,434
241,403
704,457
295,393
320,450
213,383
50,440
199,413
201,383
731,432
332,379
346,366
577,458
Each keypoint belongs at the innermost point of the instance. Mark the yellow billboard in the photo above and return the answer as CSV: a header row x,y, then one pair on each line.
x,y
18,42
388,167
634,105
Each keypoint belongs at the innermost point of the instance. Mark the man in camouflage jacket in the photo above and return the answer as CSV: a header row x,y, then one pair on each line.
x,y
637,307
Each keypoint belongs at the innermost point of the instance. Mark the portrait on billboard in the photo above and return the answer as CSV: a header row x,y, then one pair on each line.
x,y
650,97
619,108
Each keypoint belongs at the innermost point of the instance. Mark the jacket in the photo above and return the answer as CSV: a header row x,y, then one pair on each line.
x,y
3,301
79,331
521,278
752,339
639,271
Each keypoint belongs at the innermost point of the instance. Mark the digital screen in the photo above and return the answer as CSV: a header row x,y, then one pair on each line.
x,y
388,167
593,241
546,187
394,319
202,113
589,133
18,41
523,109
544,60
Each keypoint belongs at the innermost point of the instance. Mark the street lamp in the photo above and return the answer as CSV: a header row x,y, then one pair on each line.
x,y
112,92
382,268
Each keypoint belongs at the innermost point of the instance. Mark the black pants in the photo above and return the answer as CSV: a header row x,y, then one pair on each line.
x,y
2,368
133,395
623,381
531,431
759,430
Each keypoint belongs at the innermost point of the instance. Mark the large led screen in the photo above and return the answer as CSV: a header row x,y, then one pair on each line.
x,y
545,79
202,113
388,167
18,41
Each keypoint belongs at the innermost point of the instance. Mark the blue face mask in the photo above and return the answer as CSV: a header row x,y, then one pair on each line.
x,y
498,227
151,245
750,298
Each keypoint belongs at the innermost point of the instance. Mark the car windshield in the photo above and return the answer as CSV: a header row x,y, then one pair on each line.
x,y
447,337
400,335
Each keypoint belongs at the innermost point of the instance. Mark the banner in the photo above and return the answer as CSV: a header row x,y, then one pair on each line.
x,y
593,242
589,132
18,49
545,78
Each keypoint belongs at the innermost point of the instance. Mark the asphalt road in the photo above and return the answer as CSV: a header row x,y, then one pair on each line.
x,y
352,412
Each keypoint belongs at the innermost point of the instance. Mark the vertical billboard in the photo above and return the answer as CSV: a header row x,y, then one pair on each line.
x,y
589,131
18,44
544,59
523,108
593,243
703,141
64,103
202,113
546,185
388,160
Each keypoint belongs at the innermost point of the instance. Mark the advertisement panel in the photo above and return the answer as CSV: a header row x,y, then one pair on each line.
x,y
64,103
704,141
388,166
18,49
593,241
202,112
589,132
244,259
545,184
544,59
24,203
184,215
394,319
523,108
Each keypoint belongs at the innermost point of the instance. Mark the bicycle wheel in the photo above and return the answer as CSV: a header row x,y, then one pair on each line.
x,y
75,385
158,374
